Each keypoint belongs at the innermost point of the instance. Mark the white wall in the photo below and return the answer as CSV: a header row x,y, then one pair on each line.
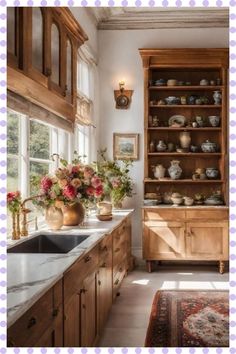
x,y
119,59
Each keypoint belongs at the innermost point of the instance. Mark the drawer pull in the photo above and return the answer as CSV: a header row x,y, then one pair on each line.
x,y
84,307
120,269
117,250
104,249
55,312
103,265
99,282
83,290
32,322
87,259
117,281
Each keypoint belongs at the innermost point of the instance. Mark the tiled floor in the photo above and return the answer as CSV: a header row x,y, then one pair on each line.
x,y
129,316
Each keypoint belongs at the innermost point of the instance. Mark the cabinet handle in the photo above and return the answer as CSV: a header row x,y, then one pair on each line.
x,y
104,249
120,269
55,312
99,282
87,259
103,265
117,250
83,290
117,281
84,307
32,322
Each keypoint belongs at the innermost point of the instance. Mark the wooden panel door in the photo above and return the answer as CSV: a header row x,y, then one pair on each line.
x,y
52,337
104,294
72,322
207,240
163,240
89,328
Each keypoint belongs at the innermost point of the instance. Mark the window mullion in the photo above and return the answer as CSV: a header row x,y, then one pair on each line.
x,y
24,156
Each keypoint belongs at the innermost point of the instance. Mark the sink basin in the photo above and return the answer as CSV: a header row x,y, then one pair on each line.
x,y
49,244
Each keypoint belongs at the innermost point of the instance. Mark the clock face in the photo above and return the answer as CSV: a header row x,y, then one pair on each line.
x,y
122,101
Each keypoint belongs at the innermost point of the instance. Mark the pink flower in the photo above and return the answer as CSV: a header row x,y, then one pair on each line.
x,y
11,196
69,192
88,172
46,183
98,191
115,182
96,181
75,169
90,191
76,182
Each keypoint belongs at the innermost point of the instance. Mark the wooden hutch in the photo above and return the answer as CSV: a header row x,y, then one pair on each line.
x,y
194,232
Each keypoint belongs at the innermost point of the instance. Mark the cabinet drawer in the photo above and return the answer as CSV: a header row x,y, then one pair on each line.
x,y
163,214
207,214
119,268
119,252
105,249
28,329
117,280
118,235
77,273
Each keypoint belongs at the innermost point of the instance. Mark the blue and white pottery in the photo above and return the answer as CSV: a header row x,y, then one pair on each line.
x,y
208,146
214,121
212,172
175,170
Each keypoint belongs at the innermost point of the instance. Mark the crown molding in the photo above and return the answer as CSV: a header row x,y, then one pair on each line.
x,y
158,18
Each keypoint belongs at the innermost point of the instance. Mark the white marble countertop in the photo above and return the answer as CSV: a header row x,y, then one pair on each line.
x,y
29,276
168,206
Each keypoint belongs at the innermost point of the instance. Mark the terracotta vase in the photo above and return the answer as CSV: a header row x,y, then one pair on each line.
x,y
73,214
54,218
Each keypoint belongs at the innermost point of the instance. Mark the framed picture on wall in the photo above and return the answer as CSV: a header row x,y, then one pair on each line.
x,y
125,146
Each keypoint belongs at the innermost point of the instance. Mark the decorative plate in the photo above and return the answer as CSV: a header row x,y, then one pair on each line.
x,y
177,121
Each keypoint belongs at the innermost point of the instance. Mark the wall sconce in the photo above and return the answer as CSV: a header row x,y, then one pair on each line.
x,y
122,96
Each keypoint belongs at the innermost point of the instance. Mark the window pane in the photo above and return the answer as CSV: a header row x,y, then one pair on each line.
x,y
37,39
37,169
11,23
12,174
55,44
69,67
39,140
83,77
12,132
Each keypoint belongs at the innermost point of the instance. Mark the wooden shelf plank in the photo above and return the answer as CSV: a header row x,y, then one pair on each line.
x,y
185,106
186,128
190,154
181,181
184,88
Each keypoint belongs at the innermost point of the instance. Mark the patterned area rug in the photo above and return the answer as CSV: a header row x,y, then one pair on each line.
x,y
189,318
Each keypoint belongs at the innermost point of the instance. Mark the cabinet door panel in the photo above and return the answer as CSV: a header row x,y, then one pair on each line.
x,y
104,294
163,240
208,240
72,322
89,311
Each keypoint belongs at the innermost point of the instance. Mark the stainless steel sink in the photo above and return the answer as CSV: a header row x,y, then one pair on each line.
x,y
49,244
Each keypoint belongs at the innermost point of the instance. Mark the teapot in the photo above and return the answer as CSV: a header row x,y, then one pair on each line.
x,y
158,171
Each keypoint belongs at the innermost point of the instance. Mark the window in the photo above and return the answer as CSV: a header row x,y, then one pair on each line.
x,y
82,134
30,145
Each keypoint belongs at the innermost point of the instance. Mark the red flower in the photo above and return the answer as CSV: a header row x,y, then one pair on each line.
x,y
69,192
98,191
11,196
75,169
90,191
46,183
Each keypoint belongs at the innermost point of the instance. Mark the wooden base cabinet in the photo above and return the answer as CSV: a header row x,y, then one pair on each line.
x,y
185,234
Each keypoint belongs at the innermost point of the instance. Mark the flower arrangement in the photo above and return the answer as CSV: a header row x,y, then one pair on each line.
x,y
115,176
75,182
14,201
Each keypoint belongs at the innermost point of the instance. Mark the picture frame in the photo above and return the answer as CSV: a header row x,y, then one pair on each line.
x,y
125,146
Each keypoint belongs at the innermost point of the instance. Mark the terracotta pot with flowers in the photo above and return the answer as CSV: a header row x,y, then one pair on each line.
x,y
72,187
116,180
14,206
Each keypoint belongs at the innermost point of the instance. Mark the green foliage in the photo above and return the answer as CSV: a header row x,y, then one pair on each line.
x,y
39,140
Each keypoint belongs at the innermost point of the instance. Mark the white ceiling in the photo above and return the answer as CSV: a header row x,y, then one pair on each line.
x,y
114,18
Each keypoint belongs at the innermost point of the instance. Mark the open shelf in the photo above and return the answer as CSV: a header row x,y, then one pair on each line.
x,y
213,129
180,181
184,88
190,154
185,106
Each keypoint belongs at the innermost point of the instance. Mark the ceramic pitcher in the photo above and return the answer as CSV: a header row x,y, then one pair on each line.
x,y
159,171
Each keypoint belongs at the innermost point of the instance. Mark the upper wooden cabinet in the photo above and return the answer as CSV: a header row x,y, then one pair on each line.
x,y
42,46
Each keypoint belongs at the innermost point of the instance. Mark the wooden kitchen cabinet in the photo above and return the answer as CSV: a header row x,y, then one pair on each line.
x,y
42,324
72,314
197,235
42,57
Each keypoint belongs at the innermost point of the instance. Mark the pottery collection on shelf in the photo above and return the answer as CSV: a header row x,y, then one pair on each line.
x,y
175,170
208,146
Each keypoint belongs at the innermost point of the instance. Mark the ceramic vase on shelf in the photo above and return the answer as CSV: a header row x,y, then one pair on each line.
x,y
159,171
54,218
217,97
175,170
185,140
73,214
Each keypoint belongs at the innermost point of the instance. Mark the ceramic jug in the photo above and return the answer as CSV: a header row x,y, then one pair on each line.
x,y
159,171
161,146
217,97
175,170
